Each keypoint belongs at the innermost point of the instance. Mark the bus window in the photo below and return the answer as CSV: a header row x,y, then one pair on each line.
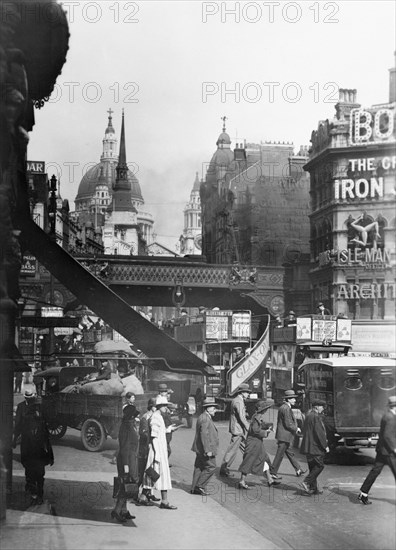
x,y
353,383
386,380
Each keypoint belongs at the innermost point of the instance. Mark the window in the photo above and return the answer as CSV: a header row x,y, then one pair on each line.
x,y
387,380
353,383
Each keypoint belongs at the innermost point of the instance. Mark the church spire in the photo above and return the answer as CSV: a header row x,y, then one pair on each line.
x,y
122,168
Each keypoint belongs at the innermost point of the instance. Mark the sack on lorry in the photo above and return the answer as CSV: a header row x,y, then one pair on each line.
x,y
113,386
132,383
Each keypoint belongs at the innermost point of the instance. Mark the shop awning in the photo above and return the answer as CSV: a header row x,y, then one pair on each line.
x,y
47,322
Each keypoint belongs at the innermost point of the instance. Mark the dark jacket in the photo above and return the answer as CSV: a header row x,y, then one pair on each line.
x,y
128,440
255,454
35,441
206,435
386,445
286,427
314,439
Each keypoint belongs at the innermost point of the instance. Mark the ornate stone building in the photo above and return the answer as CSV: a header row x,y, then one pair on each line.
x,y
191,239
96,198
352,165
255,211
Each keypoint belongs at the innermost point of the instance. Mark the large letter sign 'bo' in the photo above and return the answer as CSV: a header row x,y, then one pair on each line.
x,y
369,126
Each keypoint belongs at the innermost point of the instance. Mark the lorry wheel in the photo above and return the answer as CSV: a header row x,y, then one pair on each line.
x,y
57,430
189,421
93,435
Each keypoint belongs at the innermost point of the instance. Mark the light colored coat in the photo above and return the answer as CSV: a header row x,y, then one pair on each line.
x,y
239,424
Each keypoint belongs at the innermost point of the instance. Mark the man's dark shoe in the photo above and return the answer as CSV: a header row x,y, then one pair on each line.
x,y
306,489
224,472
144,502
199,491
318,492
364,499
153,498
300,472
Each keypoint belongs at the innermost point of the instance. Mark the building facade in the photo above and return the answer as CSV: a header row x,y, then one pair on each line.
x,y
352,166
95,199
191,239
255,211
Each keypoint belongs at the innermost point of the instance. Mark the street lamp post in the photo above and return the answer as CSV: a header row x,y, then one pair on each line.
x,y
52,233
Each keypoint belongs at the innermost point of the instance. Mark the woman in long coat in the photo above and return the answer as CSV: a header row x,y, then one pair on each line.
x,y
128,440
255,459
158,455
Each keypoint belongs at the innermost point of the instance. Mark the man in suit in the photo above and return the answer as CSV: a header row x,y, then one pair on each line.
x,y
206,445
36,449
315,445
238,427
286,429
386,450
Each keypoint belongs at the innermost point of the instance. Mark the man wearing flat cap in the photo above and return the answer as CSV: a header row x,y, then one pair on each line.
x,y
205,445
385,449
315,445
238,427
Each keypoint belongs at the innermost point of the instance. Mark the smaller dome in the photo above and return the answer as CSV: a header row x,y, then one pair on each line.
x,y
223,138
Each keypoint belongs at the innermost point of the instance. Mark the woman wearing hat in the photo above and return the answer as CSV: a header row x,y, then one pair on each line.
x,y
128,440
255,459
146,497
158,455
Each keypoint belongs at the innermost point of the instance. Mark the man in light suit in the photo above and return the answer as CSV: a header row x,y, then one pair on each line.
x,y
206,445
238,427
286,429
386,450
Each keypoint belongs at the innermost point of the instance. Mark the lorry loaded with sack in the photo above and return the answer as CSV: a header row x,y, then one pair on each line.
x,y
87,393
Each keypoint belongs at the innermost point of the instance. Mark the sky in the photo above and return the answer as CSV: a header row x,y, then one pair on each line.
x,y
272,68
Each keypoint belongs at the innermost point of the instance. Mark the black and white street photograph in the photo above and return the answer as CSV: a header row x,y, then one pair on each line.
x,y
197,275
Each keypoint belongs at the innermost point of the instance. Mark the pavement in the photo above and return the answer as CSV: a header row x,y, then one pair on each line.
x,y
81,519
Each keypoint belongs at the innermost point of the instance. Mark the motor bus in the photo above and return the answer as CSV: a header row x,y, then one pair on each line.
x,y
356,391
310,336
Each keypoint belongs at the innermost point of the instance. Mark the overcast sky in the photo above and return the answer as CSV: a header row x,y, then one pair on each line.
x,y
177,67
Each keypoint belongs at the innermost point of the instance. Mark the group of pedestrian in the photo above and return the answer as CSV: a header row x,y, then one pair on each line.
x,y
250,436
143,445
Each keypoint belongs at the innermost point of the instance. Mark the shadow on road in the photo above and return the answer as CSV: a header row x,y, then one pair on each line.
x,y
90,501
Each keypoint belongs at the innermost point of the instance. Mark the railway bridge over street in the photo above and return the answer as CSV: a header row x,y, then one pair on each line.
x,y
159,281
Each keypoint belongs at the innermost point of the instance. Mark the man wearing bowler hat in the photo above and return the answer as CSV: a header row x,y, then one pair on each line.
x,y
315,445
205,445
386,450
286,429
238,427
